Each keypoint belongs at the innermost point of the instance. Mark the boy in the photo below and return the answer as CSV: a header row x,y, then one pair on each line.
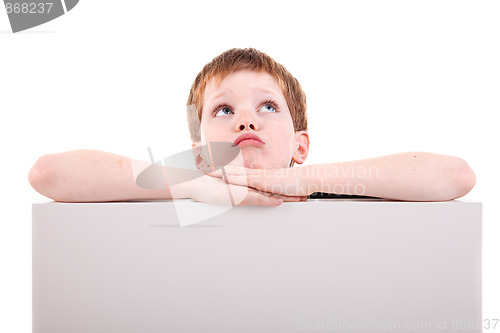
x,y
246,99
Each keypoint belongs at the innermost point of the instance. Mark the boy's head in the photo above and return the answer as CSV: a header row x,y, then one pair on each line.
x,y
245,92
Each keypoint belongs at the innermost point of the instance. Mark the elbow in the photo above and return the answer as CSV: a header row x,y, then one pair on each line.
x,y
462,179
40,177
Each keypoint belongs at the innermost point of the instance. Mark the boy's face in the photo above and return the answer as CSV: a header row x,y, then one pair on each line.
x,y
251,103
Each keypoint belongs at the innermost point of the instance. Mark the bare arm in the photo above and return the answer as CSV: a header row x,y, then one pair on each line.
x,y
412,176
90,176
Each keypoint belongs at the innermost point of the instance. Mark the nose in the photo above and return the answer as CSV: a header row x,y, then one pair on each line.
x,y
245,125
245,122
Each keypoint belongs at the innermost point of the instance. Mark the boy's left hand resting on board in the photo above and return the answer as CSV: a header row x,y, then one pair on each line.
x,y
410,176
214,190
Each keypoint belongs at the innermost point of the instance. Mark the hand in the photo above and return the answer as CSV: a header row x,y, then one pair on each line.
x,y
285,181
214,190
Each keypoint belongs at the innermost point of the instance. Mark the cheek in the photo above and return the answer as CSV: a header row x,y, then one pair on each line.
x,y
283,144
284,134
210,132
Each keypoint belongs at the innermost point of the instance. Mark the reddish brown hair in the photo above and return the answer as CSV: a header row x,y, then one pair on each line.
x,y
249,59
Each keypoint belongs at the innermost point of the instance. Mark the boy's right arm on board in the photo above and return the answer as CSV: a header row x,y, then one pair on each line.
x,y
91,176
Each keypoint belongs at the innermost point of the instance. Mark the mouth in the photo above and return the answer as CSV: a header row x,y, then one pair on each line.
x,y
248,139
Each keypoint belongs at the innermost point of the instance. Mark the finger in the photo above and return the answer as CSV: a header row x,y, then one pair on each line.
x,y
269,199
262,199
241,180
293,198
253,197
257,179
217,173
231,170
290,198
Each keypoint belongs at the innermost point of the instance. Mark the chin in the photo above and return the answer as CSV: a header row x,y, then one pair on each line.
x,y
255,165
264,165
251,160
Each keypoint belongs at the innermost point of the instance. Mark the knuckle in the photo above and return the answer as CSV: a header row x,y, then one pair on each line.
x,y
255,182
261,200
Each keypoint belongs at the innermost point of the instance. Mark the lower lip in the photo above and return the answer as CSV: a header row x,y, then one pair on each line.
x,y
250,142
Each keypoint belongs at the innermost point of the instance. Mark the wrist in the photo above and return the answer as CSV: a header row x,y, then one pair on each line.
x,y
312,179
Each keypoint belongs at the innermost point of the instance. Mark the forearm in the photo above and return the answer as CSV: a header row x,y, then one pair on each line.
x,y
91,176
412,176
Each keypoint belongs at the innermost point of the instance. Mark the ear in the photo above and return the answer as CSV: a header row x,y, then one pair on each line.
x,y
198,159
302,142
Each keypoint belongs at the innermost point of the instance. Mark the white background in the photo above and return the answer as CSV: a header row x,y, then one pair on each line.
x,y
381,77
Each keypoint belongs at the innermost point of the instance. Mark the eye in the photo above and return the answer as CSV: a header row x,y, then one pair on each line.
x,y
222,110
269,106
